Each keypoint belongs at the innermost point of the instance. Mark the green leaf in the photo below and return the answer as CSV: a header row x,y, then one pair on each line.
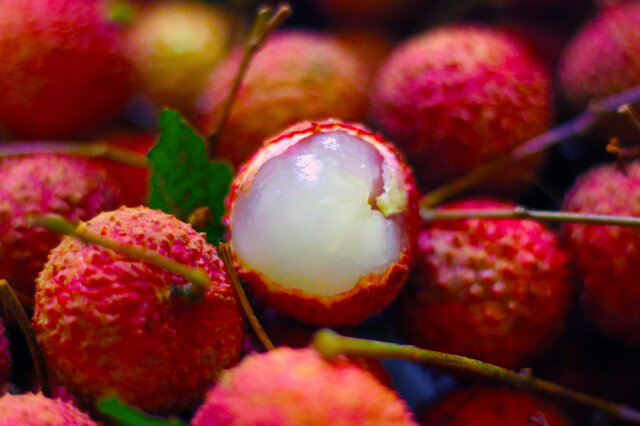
x,y
129,416
183,178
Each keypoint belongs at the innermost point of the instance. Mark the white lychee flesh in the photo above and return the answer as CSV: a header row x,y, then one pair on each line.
x,y
311,218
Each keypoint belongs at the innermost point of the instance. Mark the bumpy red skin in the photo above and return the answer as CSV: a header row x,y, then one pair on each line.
x,y
5,356
62,68
107,323
297,386
40,184
296,76
485,406
455,97
372,292
602,58
494,290
36,409
607,256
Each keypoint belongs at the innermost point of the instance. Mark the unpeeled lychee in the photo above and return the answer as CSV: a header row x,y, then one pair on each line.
x,y
491,289
295,76
297,386
323,220
63,69
40,184
36,409
111,324
608,257
456,97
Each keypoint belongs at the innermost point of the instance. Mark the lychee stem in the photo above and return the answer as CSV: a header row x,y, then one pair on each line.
x,y
331,344
81,149
596,112
520,212
198,278
265,23
224,252
10,300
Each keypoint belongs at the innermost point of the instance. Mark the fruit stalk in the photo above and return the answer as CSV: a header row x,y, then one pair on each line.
x,y
10,300
265,23
331,344
595,112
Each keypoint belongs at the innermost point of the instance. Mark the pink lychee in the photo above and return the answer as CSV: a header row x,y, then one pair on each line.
x,y
36,409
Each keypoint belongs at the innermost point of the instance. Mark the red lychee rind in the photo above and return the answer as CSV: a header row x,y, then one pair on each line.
x,y
63,69
372,292
455,97
297,386
295,76
40,184
108,323
608,256
494,290
36,409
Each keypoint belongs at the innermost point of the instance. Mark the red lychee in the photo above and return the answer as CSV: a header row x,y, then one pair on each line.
x,y
494,290
295,76
297,386
455,97
111,324
35,409
485,406
40,184
62,70
323,221
608,256
603,58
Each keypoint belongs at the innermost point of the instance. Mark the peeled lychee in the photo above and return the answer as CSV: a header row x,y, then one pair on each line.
x,y
608,257
112,324
295,76
41,184
298,387
63,69
174,45
492,289
456,97
602,58
484,405
36,409
323,220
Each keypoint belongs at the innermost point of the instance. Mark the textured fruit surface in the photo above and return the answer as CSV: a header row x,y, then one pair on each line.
x,y
35,409
297,386
608,256
484,406
603,58
295,76
455,97
494,290
108,324
63,69
174,45
40,184
321,197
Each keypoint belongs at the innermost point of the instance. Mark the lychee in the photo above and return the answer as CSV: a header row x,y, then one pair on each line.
x,y
602,58
491,289
36,409
323,221
174,45
295,76
456,97
40,184
297,386
110,324
485,405
608,256
63,69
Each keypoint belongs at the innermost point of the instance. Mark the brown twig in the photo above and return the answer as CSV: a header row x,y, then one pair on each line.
x,y
224,251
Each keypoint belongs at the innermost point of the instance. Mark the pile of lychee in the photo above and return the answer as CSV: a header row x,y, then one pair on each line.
x,y
346,116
